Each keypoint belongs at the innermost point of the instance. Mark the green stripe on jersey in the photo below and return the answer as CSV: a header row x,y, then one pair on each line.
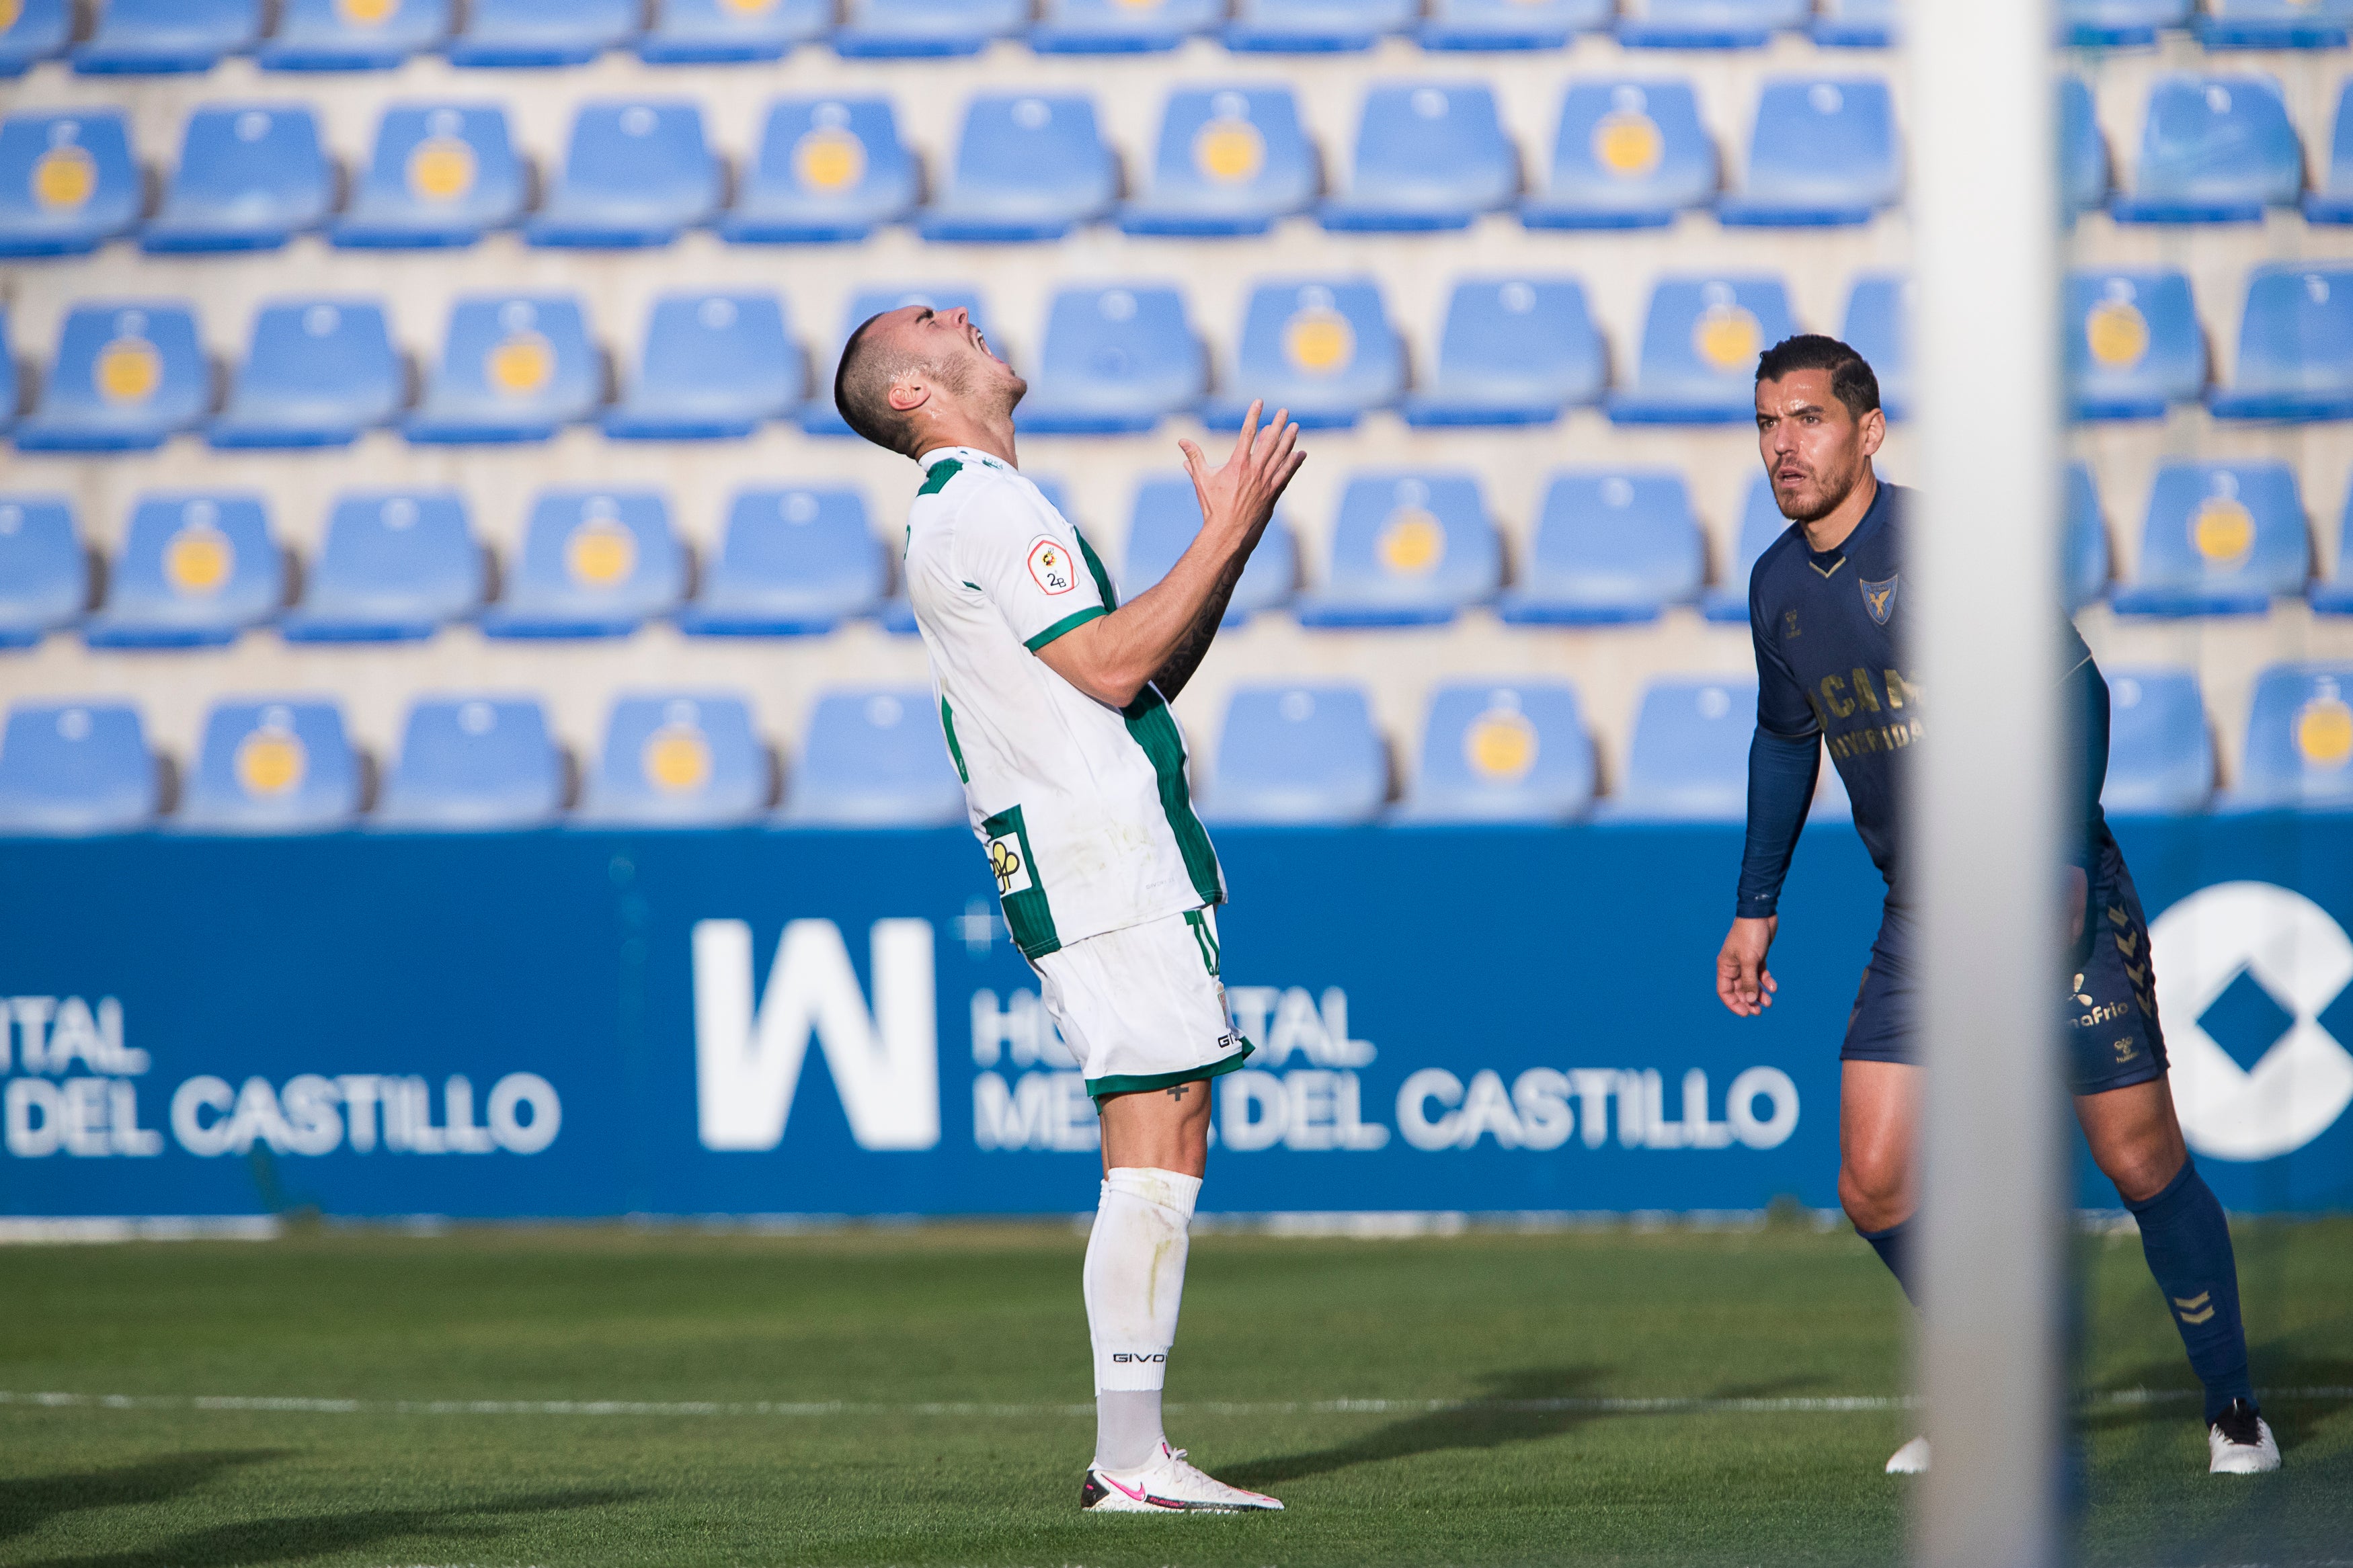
x,y
947,728
1153,727
1069,622
1095,569
936,478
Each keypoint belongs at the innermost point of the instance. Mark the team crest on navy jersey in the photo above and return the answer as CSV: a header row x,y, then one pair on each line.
x,y
1879,598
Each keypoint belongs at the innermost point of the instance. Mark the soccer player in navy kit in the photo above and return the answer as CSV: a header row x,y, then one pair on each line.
x,y
1826,605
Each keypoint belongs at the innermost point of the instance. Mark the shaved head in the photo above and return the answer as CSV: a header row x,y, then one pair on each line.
x,y
871,361
908,375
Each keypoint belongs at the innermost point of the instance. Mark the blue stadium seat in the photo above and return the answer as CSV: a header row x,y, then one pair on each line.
x,y
354,34
1700,346
1486,24
1856,25
2333,202
2334,596
2083,568
2160,754
1428,157
442,173
1501,752
2220,539
1879,327
678,760
875,757
1028,167
793,561
635,173
1630,155
319,373
2295,346
194,570
2299,751
1407,550
595,564
1121,26
68,182
2085,171
827,169
1689,757
1166,519
1325,349
2214,149
1230,161
727,32
514,367
473,763
1316,26
1761,523
543,32
2277,25
2093,24
1611,546
37,30
1711,23
1514,351
715,365
397,566
76,767
272,767
125,376
144,37
1304,753
819,416
918,29
2134,345
250,176
1822,154
12,379
1116,359
44,569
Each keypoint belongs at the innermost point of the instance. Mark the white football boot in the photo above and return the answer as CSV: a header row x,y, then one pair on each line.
x,y
1912,1459
1166,1485
2240,1443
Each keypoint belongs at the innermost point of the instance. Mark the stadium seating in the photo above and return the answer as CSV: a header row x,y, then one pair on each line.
x,y
1121,26
2334,596
442,175
1168,518
2085,171
2275,25
819,416
1429,156
272,767
678,760
1700,345
473,764
514,367
1301,754
1229,161
76,767
251,177
1611,546
2134,345
594,563
2295,346
1879,327
793,561
1028,167
2299,749
354,34
827,169
634,173
2083,568
875,758
2221,539
68,182
528,33
395,566
1761,523
2091,23
1501,752
37,30
1315,26
1711,24
1407,550
725,32
2160,754
193,571
2333,201
1118,358
319,372
1323,349
714,364
909,29
1822,154
1512,24
1856,25
125,376
1628,154
1514,351
44,569
2216,149
142,37
1689,757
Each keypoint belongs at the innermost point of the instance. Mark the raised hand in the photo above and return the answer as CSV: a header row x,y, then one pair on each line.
x,y
1239,497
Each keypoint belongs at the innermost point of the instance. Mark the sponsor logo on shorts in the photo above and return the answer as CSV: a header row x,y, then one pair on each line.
x,y
1050,565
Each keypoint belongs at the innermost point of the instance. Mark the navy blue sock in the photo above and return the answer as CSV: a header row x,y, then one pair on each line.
x,y
1893,1246
2187,1241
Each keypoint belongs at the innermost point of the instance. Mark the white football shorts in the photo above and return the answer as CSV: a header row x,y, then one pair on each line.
x,y
1142,1007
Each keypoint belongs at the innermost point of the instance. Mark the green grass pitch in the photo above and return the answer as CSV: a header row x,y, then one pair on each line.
x,y
1443,1400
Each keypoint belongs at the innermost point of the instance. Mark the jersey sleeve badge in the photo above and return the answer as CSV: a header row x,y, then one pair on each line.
x,y
1049,566
1879,598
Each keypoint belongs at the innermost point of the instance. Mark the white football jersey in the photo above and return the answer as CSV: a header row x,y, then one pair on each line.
x,y
1083,809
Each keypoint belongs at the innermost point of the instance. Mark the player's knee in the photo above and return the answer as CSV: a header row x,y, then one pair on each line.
x,y
2141,1168
1876,1196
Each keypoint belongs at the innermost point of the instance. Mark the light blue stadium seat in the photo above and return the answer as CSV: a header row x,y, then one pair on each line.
x,y
1028,167
2277,25
397,566
1689,757
543,32
726,32
38,30
1429,156
1324,349
250,176
2160,754
1879,327
266,766
795,561
473,764
678,760
875,757
2134,345
2083,568
2334,596
1514,351
1612,545
1166,519
917,29
635,173
1116,359
2299,751
1761,523
2092,24
12,379
2295,346
594,563
354,34
44,569
1316,26
2085,171
1121,26
146,38
1407,550
716,364
1711,23
2220,539
68,182
442,173
1630,155
1822,154
125,376
819,416
2333,202
76,767
194,570
1305,755
1485,24
2213,149
513,367
1701,341
827,169
1856,25
1501,752
319,372
1230,161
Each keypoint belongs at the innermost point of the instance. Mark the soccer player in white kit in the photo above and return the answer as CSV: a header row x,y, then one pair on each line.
x,y
1054,703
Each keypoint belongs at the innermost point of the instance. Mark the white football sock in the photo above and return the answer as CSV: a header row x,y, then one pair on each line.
x,y
1133,1283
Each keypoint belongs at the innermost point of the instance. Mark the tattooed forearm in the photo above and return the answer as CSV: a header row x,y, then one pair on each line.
x,y
1171,677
